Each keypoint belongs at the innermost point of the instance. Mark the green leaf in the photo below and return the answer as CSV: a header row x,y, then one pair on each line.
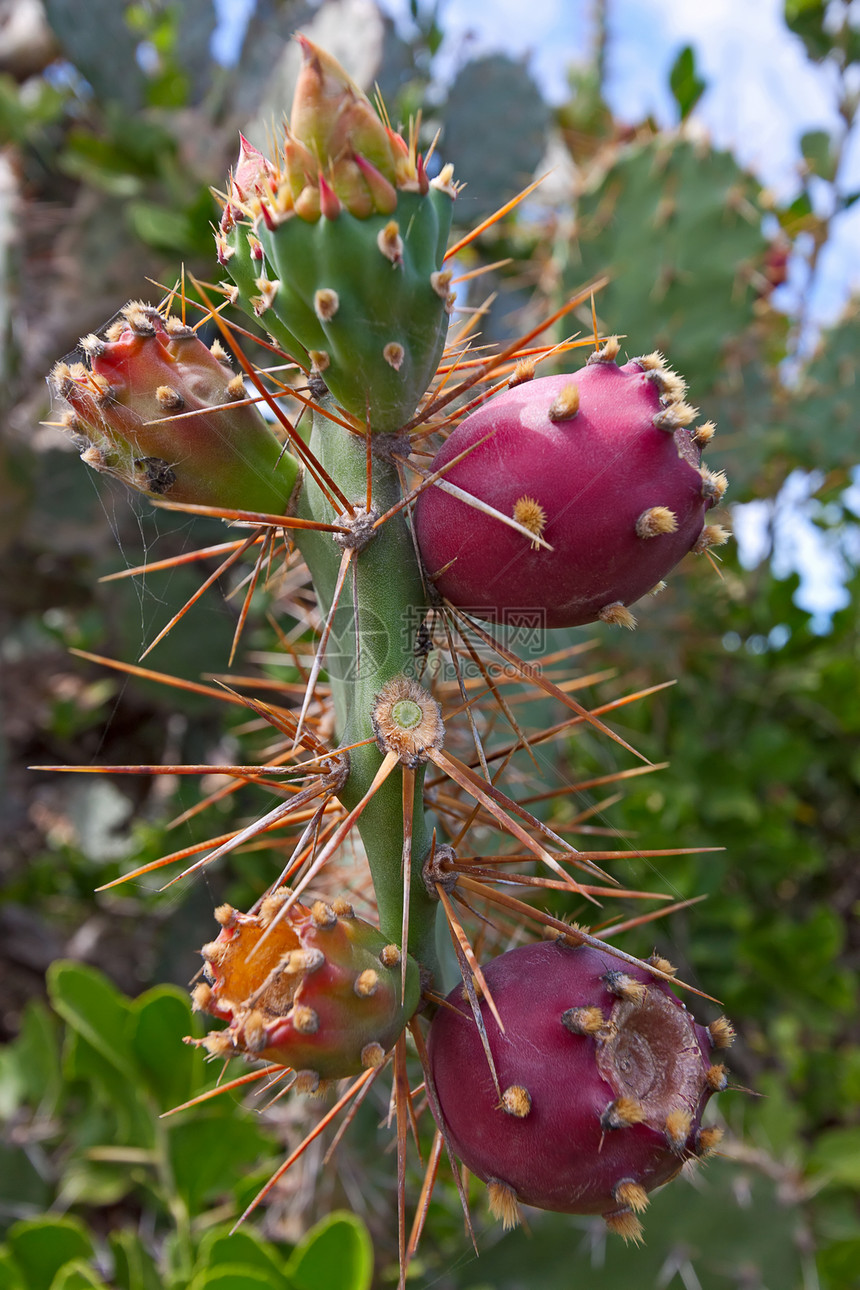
x,y
233,1276
170,1067
836,1155
41,1246
244,1247
338,1252
78,1276
806,19
686,86
133,1266
87,1001
209,1153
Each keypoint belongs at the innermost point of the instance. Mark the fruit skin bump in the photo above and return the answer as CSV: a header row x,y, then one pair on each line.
x,y
312,987
606,462
603,1076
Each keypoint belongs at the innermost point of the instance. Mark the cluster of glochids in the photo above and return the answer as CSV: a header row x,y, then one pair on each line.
x,y
574,1079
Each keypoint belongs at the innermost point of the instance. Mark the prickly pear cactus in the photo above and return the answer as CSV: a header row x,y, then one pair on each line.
x,y
596,1089
338,247
312,987
602,467
157,409
571,494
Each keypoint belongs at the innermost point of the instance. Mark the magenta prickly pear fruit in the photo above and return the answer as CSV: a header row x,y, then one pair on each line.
x,y
602,465
311,987
166,415
603,1075
337,246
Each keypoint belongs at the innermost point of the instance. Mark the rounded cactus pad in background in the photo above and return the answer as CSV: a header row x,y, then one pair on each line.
x,y
311,987
603,1076
603,465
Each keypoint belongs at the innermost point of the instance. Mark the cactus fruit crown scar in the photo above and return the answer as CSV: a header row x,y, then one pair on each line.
x,y
567,1076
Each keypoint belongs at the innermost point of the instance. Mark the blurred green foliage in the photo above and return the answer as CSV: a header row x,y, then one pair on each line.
x,y
761,728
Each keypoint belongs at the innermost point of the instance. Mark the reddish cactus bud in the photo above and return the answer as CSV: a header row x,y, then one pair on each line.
x,y
159,410
314,988
607,457
604,1075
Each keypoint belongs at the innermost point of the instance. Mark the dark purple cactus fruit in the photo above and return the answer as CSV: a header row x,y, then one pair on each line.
x,y
603,1074
601,464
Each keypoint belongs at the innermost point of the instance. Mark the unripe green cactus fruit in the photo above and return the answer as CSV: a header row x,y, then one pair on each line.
x,y
338,248
166,415
310,987
603,465
603,1077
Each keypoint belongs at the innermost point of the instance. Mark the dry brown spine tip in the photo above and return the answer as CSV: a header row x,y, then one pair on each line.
x,y
219,1043
366,983
524,371
607,353
389,956
394,354
617,615
372,1055
343,908
657,588
703,434
307,1082
516,1101
583,1021
708,1140
169,400
625,987
268,290
672,387
662,965
326,303
225,915
714,483
390,242
565,405
92,345
631,1194
217,350
532,516
177,329
722,1033
139,318
656,520
441,283
503,1203
711,535
305,1020
201,997
653,362
622,1112
717,1077
625,1224
677,1128
322,914
235,389
674,417
319,358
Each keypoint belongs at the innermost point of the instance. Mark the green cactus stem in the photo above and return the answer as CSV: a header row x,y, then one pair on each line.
x,y
377,618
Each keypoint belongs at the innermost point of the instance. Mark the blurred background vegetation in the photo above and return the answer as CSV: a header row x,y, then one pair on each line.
x,y
115,120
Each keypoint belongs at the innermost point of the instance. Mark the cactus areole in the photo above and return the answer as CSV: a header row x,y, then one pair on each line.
x,y
602,465
603,1076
